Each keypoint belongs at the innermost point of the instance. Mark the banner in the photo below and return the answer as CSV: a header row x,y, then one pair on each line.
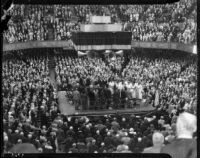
x,y
156,102
102,47
100,19
101,28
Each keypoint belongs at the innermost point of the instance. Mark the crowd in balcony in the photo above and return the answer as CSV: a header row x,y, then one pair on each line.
x,y
176,22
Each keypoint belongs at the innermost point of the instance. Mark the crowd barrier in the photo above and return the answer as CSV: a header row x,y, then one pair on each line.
x,y
164,45
68,45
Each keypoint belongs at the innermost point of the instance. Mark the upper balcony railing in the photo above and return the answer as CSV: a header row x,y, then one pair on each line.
x,y
68,45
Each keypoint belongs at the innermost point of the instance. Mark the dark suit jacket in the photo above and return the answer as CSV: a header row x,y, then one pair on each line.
x,y
181,148
108,140
92,148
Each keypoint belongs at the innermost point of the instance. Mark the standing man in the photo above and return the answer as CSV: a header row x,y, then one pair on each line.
x,y
184,146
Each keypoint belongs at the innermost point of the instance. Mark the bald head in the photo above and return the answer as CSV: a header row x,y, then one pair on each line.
x,y
186,124
158,138
24,148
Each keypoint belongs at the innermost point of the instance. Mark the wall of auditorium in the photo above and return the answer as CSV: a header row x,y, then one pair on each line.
x,y
68,45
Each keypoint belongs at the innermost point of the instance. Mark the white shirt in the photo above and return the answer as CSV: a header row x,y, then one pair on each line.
x,y
120,86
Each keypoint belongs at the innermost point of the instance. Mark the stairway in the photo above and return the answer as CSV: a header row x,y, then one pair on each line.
x,y
65,107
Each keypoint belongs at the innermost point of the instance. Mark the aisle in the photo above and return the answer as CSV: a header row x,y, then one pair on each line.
x,y
64,105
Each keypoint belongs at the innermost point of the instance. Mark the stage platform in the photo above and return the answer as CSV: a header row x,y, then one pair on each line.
x,y
68,109
114,111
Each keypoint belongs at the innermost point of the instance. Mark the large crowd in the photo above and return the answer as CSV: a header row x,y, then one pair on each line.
x,y
164,80
96,83
176,22
29,98
30,102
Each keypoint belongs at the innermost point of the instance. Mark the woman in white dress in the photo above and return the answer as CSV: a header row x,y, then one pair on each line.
x,y
140,89
133,90
136,91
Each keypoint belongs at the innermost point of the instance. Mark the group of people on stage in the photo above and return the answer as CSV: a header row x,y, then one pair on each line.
x,y
152,79
135,90
97,86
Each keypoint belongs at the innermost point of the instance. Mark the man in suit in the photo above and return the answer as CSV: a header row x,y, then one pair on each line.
x,y
76,98
93,147
184,146
74,148
158,140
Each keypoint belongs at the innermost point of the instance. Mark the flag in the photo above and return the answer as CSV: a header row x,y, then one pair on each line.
x,y
81,53
156,103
